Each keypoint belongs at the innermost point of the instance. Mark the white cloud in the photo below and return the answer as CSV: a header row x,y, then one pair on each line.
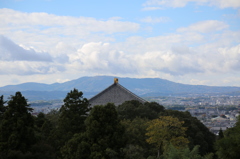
x,y
167,56
29,68
154,56
74,47
101,57
63,25
150,19
205,26
225,4
12,52
43,30
151,8
183,3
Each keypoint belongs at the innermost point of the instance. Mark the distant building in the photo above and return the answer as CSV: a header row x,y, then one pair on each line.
x,y
116,94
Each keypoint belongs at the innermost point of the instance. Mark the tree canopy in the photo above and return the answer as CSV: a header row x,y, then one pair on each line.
x,y
70,121
130,130
103,137
17,126
132,109
197,132
166,130
229,146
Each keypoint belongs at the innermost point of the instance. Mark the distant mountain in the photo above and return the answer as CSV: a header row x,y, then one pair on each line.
x,y
92,85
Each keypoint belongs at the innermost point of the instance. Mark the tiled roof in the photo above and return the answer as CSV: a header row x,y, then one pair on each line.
x,y
116,94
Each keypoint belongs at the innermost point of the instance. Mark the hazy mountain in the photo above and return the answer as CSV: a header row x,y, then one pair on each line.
x,y
92,85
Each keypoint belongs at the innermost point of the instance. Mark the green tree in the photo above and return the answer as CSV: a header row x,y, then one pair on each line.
x,y
103,138
71,119
166,130
43,127
133,109
2,107
43,148
133,151
220,134
77,147
40,119
73,113
229,146
197,132
53,117
135,131
185,153
17,126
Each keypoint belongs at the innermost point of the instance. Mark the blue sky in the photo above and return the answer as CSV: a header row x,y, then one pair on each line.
x,y
185,41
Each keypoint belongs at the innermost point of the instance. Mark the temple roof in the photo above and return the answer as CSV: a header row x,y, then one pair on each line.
x,y
116,94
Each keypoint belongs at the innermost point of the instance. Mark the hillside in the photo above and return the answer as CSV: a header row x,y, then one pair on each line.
x,y
92,85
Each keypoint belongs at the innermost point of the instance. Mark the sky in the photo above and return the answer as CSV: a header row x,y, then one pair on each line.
x,y
193,42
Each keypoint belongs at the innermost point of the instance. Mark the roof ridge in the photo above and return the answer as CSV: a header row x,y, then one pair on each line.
x,y
102,91
121,87
132,93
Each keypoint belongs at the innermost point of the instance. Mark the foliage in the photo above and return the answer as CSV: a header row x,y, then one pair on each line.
x,y
133,109
229,146
220,134
17,126
104,130
77,147
133,151
135,131
103,137
2,107
184,153
131,130
53,117
43,127
74,112
71,119
197,132
166,130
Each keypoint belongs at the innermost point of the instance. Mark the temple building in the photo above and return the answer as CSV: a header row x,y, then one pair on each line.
x,y
116,94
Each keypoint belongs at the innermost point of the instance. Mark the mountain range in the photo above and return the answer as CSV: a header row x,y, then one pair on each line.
x,y
90,86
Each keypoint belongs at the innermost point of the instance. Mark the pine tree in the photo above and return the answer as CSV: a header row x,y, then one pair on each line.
x,y
73,113
2,107
17,126
220,134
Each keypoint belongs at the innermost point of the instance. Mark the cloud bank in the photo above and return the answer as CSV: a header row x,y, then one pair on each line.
x,y
64,47
160,4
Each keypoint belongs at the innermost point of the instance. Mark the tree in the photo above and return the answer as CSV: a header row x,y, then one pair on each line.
x,y
135,131
77,147
133,109
105,131
197,132
229,146
185,153
71,119
43,127
220,134
103,137
166,130
2,107
17,126
73,113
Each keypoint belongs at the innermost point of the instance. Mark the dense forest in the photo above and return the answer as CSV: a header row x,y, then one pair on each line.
x,y
129,131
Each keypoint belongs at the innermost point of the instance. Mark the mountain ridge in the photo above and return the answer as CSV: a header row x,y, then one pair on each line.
x,y
92,85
